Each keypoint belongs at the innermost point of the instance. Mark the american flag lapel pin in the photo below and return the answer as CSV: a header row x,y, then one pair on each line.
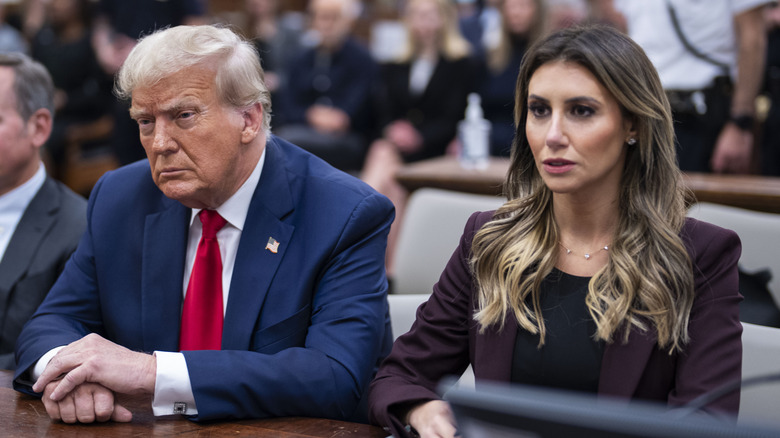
x,y
272,245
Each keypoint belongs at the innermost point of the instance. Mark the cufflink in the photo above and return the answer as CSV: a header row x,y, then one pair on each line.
x,y
179,408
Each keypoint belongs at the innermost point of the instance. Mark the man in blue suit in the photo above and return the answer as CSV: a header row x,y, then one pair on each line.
x,y
302,250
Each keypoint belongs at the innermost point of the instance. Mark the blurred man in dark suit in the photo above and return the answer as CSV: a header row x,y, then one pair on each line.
x,y
41,220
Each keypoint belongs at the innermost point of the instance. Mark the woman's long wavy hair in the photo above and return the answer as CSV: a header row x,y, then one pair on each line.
x,y
648,281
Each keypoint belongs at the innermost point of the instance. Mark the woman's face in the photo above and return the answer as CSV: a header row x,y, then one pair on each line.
x,y
63,11
260,8
425,20
576,130
519,15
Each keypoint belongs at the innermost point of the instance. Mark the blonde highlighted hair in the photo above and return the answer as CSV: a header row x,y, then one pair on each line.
x,y
647,282
452,45
239,76
498,56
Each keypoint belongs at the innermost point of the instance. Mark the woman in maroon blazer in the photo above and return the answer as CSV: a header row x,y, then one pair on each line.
x,y
590,277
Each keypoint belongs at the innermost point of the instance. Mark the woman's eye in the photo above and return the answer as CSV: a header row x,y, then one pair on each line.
x,y
537,110
582,111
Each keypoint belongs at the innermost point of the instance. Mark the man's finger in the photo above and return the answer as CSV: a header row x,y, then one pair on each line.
x,y
121,414
57,367
104,404
69,382
52,408
67,410
85,405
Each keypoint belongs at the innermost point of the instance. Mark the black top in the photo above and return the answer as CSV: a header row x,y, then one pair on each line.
x,y
570,358
497,90
74,70
435,112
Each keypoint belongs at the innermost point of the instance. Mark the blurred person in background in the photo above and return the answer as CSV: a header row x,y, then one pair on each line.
x,y
770,144
482,27
63,45
11,40
522,22
325,106
566,13
41,220
710,57
118,25
277,39
422,97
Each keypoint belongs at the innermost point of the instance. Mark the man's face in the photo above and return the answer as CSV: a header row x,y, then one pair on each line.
x,y
18,153
329,19
198,147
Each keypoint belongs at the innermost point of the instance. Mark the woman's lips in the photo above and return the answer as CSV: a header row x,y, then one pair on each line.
x,y
557,165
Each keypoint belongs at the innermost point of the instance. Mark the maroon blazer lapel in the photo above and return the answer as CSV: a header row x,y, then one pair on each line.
x,y
493,354
623,364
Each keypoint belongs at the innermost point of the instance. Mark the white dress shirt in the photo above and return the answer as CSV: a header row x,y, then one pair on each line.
x,y
14,203
172,384
420,73
172,388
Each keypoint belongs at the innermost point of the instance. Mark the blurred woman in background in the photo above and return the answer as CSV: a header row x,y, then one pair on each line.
x,y
63,44
421,98
522,23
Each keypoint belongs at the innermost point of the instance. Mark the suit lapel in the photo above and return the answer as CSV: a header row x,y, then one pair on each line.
x,y
621,368
437,79
623,364
35,223
255,265
494,351
164,248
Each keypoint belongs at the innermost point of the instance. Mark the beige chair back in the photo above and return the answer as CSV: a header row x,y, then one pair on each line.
x,y
432,227
760,357
759,233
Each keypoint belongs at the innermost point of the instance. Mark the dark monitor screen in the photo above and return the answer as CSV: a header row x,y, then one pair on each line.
x,y
499,411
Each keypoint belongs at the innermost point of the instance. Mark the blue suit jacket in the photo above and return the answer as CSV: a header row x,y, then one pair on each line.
x,y
304,328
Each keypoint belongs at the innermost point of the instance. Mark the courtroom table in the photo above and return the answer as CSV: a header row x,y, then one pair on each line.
x,y
752,192
22,416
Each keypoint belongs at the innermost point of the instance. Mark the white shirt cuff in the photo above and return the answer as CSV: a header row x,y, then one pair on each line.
x,y
172,387
40,366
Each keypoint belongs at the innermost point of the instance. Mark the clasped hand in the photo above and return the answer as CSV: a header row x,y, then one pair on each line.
x,y
81,380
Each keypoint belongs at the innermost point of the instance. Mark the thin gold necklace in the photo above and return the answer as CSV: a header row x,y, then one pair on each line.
x,y
588,254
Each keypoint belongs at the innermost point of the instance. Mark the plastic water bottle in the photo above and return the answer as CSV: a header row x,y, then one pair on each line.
x,y
474,136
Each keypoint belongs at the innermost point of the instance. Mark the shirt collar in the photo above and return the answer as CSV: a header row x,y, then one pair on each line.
x,y
19,198
235,209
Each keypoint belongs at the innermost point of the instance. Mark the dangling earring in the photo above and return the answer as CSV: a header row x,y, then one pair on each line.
x,y
631,141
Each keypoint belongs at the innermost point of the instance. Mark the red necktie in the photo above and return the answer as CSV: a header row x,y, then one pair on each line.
x,y
201,317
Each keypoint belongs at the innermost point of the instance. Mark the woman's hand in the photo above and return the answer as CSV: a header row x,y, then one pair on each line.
x,y
433,419
404,135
